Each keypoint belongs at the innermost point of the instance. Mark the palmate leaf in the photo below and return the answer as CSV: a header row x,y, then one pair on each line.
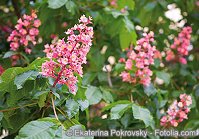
x,y
124,3
72,107
9,54
93,94
47,128
114,104
38,130
118,110
143,114
164,76
7,79
54,4
21,79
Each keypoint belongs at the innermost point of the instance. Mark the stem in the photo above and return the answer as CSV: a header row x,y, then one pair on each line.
x,y
9,109
109,78
88,117
54,108
131,97
63,68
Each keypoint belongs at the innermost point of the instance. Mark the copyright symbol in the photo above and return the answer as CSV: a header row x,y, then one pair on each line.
x,y
69,133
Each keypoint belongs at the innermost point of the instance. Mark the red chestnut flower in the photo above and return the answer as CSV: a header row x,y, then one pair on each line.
x,y
25,33
138,61
177,111
179,49
66,58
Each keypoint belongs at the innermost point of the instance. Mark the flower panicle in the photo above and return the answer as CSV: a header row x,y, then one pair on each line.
x,y
25,32
138,60
177,111
179,49
66,58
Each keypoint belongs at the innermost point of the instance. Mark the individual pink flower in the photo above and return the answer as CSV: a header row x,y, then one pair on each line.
x,y
37,23
138,61
179,49
182,60
170,55
122,60
177,111
25,33
66,58
129,64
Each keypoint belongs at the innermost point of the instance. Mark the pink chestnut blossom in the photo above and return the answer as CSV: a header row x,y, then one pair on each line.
x,y
177,111
25,32
179,49
66,58
138,61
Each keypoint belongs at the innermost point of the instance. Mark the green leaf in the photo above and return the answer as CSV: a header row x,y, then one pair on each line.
x,y
150,90
119,67
114,26
126,37
93,94
54,4
83,104
22,78
127,119
118,110
37,63
193,124
106,95
123,3
54,91
114,104
38,130
71,6
9,54
1,116
72,107
42,99
7,79
164,76
143,114
88,78
128,24
69,123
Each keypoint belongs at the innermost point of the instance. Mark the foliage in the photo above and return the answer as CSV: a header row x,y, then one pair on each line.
x,y
102,100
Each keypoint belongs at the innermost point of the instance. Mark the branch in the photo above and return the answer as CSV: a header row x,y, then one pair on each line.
x,y
9,109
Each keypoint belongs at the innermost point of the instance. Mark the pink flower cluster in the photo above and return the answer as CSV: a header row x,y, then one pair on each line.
x,y
139,60
177,112
25,31
66,58
179,48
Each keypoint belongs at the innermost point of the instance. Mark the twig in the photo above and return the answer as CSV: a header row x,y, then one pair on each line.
x,y
9,109
54,108
109,78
